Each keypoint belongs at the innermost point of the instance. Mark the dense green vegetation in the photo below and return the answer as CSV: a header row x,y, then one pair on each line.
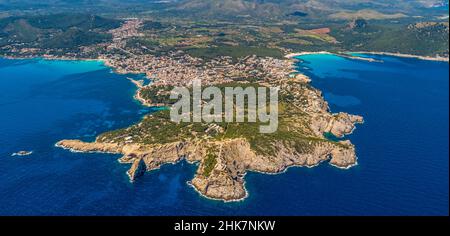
x,y
18,31
58,31
157,95
64,22
153,25
74,38
234,52
209,163
427,39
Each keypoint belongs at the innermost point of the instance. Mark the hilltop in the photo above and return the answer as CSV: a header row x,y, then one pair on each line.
x,y
231,8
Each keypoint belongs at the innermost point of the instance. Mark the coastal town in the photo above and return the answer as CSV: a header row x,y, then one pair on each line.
x,y
179,69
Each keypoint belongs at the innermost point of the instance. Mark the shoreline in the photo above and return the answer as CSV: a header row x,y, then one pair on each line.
x,y
137,95
287,56
189,183
52,58
426,58
345,55
348,55
73,150
284,171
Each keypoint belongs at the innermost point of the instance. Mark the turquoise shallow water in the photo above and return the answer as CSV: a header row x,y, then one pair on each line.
x,y
402,147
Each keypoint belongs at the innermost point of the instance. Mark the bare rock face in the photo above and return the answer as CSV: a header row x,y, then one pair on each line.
x,y
225,181
302,78
220,185
344,157
137,169
161,154
79,146
343,124
339,124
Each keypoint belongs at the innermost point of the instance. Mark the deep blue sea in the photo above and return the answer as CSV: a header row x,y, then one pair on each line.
x,y
402,147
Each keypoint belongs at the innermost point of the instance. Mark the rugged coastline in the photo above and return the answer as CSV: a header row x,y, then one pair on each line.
x,y
427,58
226,181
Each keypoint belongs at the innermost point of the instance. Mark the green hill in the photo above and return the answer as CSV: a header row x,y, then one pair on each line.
x,y
56,31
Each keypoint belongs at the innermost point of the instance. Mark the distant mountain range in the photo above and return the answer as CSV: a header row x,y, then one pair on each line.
x,y
283,7
266,8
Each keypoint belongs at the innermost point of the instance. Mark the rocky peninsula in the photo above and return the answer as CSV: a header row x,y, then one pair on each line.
x,y
22,153
225,152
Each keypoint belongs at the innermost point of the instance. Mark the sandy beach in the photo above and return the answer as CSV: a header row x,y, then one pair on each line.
x,y
348,54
